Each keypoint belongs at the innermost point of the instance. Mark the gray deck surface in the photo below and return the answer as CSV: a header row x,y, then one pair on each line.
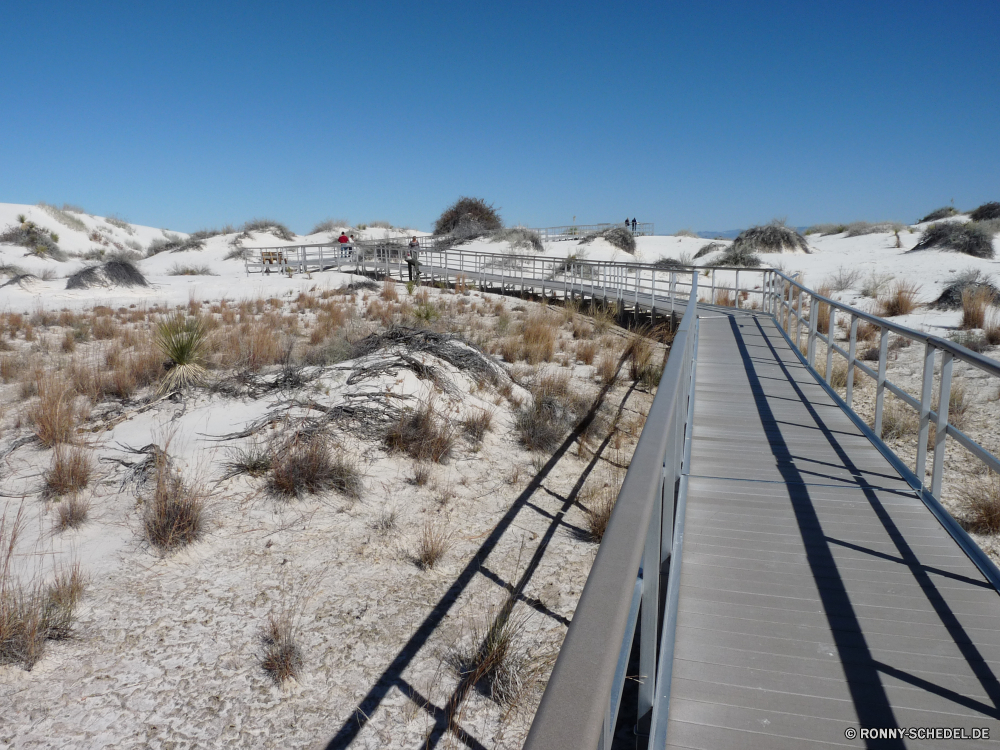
x,y
817,591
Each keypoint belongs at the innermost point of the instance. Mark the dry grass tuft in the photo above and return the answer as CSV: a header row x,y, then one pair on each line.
x,y
639,354
312,464
899,421
975,302
991,328
175,514
432,545
281,657
554,409
32,614
538,338
72,513
982,504
586,351
498,665
389,293
900,299
607,368
71,469
599,507
477,424
422,435
53,415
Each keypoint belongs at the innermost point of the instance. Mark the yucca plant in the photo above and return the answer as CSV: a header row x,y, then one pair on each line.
x,y
182,341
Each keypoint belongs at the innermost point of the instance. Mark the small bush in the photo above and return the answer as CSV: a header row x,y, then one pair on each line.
x,y
331,225
955,287
826,229
843,279
970,239
615,236
468,216
422,435
861,228
607,368
386,521
738,256
901,299
982,504
639,355
970,341
538,339
174,515
940,213
986,212
520,238
38,240
63,217
179,270
70,471
182,341
281,657
874,284
276,228
113,273
770,238
600,505
432,545
975,301
311,464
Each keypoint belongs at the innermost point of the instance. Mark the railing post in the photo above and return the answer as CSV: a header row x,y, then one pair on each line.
x,y
711,299
852,351
829,343
941,426
798,322
883,358
737,290
925,407
813,328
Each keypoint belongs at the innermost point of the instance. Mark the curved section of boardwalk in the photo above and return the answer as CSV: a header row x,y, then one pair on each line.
x,y
817,591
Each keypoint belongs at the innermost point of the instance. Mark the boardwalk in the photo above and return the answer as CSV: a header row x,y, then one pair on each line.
x,y
817,591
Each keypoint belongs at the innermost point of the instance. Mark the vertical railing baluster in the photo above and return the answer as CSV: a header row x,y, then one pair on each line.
x,y
813,328
926,391
831,327
852,351
883,359
941,425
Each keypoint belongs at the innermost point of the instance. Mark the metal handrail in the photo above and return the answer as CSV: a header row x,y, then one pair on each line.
x,y
781,306
580,703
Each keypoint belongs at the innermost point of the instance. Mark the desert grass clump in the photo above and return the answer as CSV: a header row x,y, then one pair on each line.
x,y
970,239
72,513
422,434
53,415
389,293
874,284
975,302
175,513
900,299
281,657
311,464
899,421
538,338
639,355
477,423
497,664
971,278
61,598
861,228
982,503
600,503
386,521
432,545
822,311
72,467
617,237
254,459
553,410
181,340
991,327
986,212
586,351
520,238
843,279
276,228
738,256
179,270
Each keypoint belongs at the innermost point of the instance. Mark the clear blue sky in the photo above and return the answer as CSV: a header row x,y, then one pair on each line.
x,y
708,115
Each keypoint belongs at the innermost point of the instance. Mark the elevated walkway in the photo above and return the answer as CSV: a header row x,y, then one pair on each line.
x,y
818,594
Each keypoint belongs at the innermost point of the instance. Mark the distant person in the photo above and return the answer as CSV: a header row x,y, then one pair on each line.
x,y
626,222
413,259
633,226
343,239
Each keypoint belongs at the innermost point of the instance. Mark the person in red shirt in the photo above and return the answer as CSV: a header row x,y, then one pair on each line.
x,y
343,238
